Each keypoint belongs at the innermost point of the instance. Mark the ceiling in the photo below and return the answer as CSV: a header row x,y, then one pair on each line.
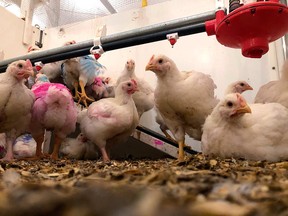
x,y
52,13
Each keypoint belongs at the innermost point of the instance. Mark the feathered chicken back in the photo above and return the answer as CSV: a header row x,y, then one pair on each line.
x,y
275,91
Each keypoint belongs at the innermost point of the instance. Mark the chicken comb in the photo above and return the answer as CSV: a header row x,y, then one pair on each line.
x,y
134,82
29,48
241,100
29,64
97,79
152,57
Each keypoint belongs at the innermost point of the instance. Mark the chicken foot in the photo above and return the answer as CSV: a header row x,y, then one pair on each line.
x,y
83,97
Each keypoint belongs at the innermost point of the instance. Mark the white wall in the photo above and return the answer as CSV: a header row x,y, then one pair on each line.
x,y
11,34
12,29
198,52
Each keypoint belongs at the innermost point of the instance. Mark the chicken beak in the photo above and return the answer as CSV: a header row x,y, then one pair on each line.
x,y
243,106
249,88
150,67
28,73
243,109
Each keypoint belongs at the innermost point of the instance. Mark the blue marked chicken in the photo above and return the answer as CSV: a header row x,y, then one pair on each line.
x,y
79,72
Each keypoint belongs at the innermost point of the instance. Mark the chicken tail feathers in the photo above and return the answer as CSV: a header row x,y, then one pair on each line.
x,y
58,97
59,102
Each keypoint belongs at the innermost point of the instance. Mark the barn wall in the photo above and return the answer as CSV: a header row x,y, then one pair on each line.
x,y
198,52
11,34
12,28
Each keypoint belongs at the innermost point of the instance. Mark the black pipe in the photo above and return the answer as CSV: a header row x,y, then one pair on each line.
x,y
71,52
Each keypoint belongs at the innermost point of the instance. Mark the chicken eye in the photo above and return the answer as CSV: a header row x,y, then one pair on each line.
x,y
160,61
242,84
129,84
20,65
229,104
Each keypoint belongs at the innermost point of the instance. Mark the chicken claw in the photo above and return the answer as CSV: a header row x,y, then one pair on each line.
x,y
83,97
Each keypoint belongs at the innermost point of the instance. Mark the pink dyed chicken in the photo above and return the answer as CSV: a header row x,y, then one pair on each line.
x,y
99,89
54,109
111,120
15,102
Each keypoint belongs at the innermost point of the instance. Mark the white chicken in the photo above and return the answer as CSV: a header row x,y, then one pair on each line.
x,y
238,87
275,91
24,146
79,148
184,99
235,87
81,71
16,102
111,120
232,130
144,98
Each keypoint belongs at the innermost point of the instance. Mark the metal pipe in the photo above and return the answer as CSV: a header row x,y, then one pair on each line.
x,y
160,27
54,54
83,48
182,31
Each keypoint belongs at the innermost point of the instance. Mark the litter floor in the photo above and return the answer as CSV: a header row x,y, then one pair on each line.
x,y
199,186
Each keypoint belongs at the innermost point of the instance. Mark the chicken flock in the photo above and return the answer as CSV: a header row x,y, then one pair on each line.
x,y
110,111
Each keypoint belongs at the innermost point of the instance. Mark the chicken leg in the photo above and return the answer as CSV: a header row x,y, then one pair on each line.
x,y
9,154
83,96
181,151
167,135
39,140
105,156
57,144
76,96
